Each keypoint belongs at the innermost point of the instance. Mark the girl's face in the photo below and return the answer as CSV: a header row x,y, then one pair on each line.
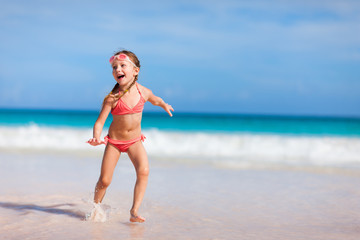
x,y
124,72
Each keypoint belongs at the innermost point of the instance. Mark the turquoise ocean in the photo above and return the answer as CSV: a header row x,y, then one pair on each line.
x,y
233,141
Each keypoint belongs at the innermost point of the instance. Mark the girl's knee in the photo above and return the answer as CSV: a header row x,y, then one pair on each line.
x,y
104,182
142,172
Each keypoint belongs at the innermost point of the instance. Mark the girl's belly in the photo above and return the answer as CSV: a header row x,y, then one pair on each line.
x,y
125,127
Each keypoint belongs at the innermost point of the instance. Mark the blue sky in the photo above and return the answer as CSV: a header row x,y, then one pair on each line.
x,y
251,57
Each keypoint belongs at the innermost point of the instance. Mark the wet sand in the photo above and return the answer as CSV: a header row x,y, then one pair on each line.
x,y
47,196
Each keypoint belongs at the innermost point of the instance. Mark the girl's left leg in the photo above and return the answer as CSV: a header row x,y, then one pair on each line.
x,y
140,161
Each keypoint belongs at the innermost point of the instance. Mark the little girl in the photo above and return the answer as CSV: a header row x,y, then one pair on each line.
x,y
126,103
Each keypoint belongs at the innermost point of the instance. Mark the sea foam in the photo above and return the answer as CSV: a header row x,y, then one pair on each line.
x,y
234,148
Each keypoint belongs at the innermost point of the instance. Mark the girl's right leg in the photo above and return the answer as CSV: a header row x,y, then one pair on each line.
x,y
110,159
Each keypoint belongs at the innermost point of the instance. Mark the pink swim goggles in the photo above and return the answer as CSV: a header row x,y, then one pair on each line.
x,y
121,57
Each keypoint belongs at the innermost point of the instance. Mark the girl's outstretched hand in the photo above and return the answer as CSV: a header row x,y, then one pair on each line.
x,y
95,142
168,108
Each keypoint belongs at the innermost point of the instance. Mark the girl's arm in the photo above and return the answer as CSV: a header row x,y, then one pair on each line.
x,y
157,101
99,124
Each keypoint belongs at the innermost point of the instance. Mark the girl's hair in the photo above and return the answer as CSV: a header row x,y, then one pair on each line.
x,y
113,92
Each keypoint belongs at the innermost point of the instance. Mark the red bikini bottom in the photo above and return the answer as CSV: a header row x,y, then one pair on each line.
x,y
123,146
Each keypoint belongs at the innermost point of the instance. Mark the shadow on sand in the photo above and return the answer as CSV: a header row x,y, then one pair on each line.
x,y
53,209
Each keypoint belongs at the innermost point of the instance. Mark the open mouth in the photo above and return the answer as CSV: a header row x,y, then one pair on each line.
x,y
120,77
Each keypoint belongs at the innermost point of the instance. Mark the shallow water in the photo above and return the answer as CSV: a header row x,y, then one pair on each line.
x,y
44,199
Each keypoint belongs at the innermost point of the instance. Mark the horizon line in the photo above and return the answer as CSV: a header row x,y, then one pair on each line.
x,y
239,114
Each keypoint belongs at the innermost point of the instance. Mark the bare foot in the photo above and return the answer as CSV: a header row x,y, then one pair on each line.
x,y
136,218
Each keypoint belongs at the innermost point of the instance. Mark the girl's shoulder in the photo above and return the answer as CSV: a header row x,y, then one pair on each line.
x,y
110,100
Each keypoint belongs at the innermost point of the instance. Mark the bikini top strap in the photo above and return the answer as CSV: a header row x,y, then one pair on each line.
x,y
138,89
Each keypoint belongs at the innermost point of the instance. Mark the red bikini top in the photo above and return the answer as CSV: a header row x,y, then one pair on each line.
x,y
121,108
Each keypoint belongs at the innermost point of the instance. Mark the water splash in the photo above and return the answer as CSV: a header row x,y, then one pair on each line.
x,y
99,213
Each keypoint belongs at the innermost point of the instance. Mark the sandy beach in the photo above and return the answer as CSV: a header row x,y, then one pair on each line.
x,y
47,195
